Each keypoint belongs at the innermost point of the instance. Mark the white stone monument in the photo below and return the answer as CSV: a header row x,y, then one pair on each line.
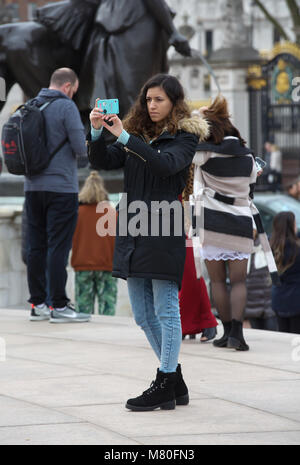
x,y
231,62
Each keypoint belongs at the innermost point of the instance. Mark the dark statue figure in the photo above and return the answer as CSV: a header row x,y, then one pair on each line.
x,y
113,45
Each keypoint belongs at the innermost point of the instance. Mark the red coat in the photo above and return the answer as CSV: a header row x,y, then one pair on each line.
x,y
195,308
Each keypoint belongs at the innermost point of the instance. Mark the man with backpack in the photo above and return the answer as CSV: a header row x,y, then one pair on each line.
x,y
52,201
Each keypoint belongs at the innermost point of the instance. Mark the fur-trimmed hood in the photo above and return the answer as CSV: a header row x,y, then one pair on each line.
x,y
195,125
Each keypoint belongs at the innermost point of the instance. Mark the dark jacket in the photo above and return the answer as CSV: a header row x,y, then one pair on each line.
x,y
155,172
286,298
259,288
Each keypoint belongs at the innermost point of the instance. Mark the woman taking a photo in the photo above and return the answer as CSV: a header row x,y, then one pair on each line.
x,y
155,146
286,249
224,175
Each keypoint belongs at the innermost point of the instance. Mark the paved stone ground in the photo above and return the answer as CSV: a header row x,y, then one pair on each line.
x,y
67,384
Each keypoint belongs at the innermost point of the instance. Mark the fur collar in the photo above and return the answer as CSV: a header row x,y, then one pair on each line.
x,y
195,125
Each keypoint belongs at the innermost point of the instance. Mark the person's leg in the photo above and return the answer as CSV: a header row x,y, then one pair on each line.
x,y
270,324
166,303
217,274
256,323
141,299
36,247
164,334
238,298
99,288
61,222
107,290
295,324
283,324
238,294
84,291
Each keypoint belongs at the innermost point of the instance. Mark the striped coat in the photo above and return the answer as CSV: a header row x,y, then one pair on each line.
x,y
224,213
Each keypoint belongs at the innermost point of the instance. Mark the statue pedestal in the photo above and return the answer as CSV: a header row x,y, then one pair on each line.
x,y
231,68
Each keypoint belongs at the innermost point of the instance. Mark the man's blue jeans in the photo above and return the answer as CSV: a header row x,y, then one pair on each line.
x,y
155,307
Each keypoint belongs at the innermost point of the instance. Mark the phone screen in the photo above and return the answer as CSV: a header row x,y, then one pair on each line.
x,y
109,107
260,163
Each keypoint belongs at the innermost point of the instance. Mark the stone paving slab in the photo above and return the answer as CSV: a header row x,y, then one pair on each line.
x,y
68,384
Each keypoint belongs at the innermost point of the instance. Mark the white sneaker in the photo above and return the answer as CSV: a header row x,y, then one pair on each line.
x,y
39,313
68,315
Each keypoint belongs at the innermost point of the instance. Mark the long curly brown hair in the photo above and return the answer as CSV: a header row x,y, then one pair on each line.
x,y
138,121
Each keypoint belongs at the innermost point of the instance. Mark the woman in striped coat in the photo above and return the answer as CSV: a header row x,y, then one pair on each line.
x,y
225,219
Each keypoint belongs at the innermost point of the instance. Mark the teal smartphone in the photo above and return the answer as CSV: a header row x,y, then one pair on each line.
x,y
109,107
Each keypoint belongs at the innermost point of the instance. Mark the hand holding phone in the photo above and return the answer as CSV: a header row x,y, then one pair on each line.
x,y
101,109
108,107
260,163
113,124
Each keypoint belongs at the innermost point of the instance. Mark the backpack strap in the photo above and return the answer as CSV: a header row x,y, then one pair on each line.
x,y
58,148
42,107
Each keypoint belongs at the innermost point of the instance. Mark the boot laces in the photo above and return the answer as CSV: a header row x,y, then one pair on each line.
x,y
154,386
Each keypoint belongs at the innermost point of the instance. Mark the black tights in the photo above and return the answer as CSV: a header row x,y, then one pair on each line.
x,y
229,303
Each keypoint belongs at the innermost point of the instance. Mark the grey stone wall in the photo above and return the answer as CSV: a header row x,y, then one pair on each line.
x,y
13,281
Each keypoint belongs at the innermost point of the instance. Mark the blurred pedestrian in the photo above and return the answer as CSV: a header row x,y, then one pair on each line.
x,y
155,146
52,202
298,187
195,307
224,177
286,248
93,249
273,170
258,309
292,190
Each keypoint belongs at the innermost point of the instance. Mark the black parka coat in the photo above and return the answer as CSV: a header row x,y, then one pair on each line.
x,y
150,240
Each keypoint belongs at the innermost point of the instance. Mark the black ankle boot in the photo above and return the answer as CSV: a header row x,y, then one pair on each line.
x,y
181,390
222,342
161,394
236,338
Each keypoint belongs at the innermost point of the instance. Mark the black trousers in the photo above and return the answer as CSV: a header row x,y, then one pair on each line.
x,y
51,220
289,324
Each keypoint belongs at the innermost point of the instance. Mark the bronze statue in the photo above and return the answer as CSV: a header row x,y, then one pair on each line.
x,y
113,45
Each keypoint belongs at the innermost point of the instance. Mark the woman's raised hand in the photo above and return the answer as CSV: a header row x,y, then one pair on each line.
x,y
96,117
111,122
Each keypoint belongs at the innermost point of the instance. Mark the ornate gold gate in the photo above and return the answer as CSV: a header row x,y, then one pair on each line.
x,y
275,106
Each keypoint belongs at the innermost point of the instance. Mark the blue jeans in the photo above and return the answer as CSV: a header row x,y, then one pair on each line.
x,y
155,306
